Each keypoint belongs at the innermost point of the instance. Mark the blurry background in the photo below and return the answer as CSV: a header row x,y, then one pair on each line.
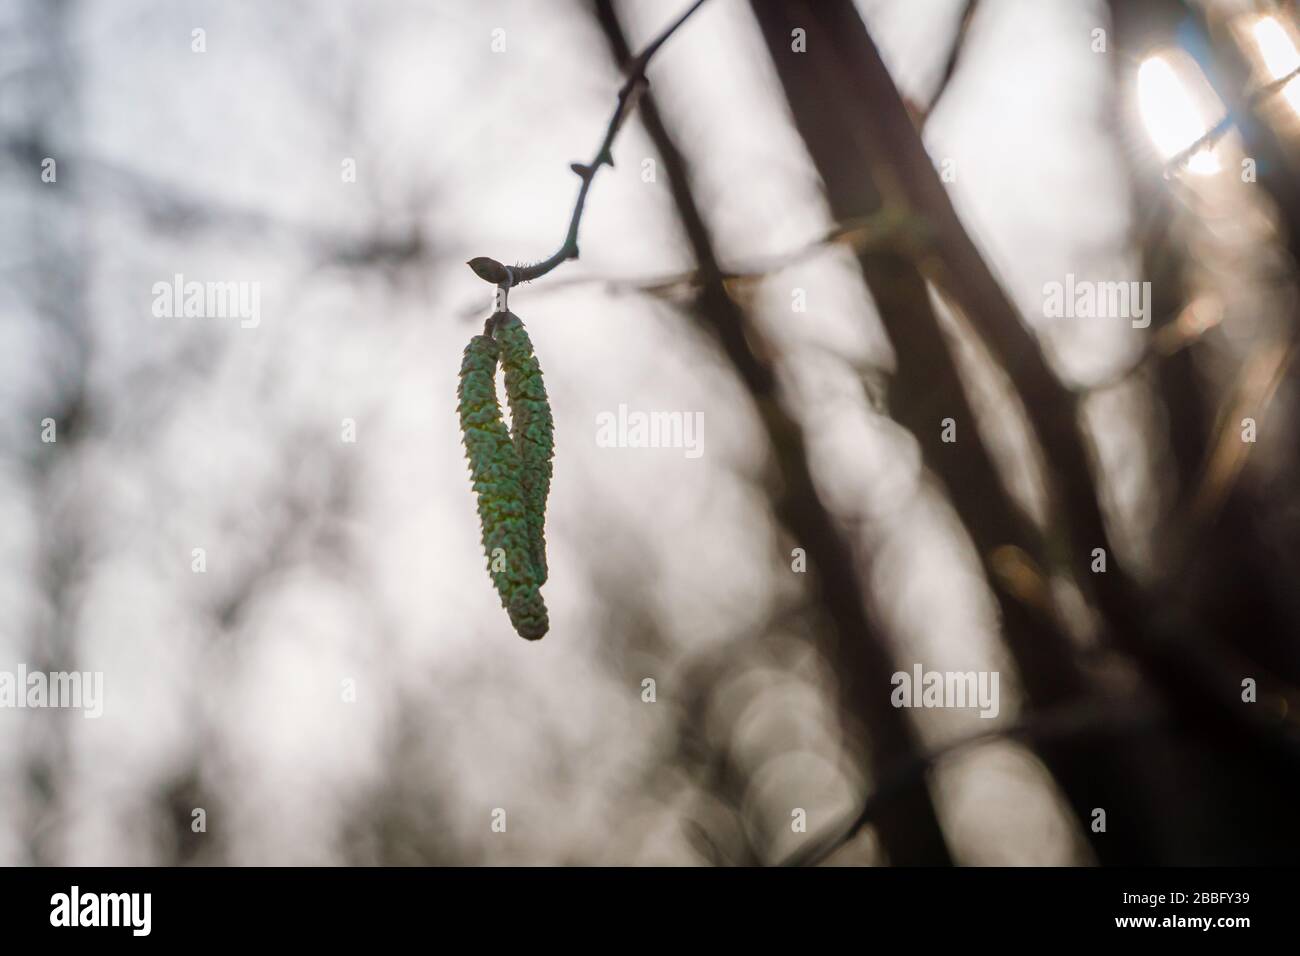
x,y
331,561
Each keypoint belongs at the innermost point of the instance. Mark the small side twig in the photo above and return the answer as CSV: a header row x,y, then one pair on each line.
x,y
1220,129
955,52
890,228
503,276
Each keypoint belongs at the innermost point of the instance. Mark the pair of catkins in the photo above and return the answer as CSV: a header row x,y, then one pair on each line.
x,y
510,468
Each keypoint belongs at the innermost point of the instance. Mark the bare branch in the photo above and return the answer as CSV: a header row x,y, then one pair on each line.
x,y
911,833
1075,721
490,270
889,228
954,55
1220,129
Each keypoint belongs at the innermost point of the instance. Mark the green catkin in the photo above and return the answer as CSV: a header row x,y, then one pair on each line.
x,y
495,474
532,428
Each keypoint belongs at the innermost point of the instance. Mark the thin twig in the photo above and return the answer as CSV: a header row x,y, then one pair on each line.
x,y
1071,722
955,52
886,229
490,270
1220,129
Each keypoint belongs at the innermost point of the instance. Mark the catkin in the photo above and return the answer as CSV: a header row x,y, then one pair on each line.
x,y
532,428
495,473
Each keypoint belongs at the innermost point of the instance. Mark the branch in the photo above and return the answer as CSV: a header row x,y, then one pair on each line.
x,y
1220,129
911,833
1013,550
1073,722
1171,647
888,228
490,270
954,55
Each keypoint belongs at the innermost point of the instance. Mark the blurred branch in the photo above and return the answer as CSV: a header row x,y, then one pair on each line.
x,y
1174,649
1017,559
1245,554
910,831
889,228
1229,541
170,208
954,55
504,276
1216,132
1090,718
1257,383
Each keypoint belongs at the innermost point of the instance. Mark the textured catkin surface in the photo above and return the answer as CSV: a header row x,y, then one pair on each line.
x,y
495,474
532,428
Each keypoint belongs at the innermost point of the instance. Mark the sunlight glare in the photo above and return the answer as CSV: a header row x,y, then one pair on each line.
x,y
1280,55
1172,117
